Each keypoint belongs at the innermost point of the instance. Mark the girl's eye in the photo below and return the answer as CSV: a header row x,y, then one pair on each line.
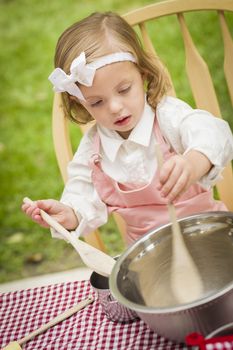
x,y
125,90
97,103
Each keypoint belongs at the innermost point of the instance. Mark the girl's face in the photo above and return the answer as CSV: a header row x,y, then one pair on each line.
x,y
116,98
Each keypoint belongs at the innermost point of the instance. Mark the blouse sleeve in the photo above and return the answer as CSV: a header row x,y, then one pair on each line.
x,y
80,194
186,128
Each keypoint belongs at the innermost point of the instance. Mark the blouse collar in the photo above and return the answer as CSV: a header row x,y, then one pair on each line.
x,y
111,141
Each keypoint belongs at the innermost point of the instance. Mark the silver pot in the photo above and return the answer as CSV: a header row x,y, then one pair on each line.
x,y
111,307
140,279
227,329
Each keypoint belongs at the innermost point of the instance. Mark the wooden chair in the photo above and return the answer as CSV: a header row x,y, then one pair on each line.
x,y
198,75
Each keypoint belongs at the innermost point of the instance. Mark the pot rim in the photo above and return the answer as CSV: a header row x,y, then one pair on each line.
x,y
216,332
172,309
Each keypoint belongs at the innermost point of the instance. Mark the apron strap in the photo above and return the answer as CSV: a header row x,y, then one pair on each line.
x,y
96,156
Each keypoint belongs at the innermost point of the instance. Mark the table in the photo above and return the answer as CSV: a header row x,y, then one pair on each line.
x,y
23,311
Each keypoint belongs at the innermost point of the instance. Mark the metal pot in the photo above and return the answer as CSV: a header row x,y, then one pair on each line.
x,y
111,307
227,329
140,279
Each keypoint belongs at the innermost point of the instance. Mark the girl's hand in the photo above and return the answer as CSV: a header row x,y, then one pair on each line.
x,y
62,213
181,171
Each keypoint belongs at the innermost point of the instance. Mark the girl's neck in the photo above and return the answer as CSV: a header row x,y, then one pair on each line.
x,y
124,134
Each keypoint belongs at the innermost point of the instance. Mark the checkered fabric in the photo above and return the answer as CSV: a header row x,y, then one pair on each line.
x,y
21,312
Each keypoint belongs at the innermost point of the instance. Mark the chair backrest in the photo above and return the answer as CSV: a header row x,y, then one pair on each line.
x,y
198,74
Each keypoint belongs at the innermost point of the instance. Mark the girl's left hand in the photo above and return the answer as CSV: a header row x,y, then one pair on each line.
x,y
181,171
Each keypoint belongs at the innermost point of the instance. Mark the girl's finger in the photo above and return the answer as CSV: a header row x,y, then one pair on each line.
x,y
168,186
38,219
34,213
179,187
166,170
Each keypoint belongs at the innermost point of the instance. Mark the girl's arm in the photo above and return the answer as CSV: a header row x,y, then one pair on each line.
x,y
79,192
80,209
204,143
181,171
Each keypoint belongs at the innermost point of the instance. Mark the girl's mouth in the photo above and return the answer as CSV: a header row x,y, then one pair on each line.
x,y
122,121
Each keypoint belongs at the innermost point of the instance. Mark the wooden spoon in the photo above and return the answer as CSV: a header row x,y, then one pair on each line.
x,y
16,344
186,282
94,258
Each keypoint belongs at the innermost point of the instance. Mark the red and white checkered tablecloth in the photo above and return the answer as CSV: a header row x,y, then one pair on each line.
x,y
23,311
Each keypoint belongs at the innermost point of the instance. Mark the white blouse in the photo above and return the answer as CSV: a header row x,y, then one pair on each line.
x,y
133,161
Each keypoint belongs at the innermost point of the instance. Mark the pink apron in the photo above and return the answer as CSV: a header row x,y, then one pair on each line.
x,y
143,208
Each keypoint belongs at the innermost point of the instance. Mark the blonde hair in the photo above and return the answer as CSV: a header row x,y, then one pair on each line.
x,y
100,34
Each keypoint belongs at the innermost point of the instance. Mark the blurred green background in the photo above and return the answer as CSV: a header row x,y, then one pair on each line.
x,y
29,32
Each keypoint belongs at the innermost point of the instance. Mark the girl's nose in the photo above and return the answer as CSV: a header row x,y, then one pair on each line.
x,y
115,105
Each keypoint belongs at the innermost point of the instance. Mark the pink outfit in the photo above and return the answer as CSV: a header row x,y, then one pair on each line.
x,y
143,208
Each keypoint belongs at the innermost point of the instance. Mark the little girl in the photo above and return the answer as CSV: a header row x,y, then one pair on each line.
x,y
105,75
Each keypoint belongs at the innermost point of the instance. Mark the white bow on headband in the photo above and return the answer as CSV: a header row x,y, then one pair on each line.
x,y
83,73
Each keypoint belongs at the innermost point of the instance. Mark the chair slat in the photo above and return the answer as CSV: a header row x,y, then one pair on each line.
x,y
121,226
151,49
205,98
94,238
228,53
61,139
225,189
146,39
198,74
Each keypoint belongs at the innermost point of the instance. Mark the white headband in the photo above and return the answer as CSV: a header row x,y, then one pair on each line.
x,y
83,73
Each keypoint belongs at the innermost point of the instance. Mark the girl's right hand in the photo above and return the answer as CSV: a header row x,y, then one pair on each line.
x,y
62,213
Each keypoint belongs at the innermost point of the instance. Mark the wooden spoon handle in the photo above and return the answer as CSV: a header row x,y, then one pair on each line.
x,y
57,319
51,222
171,208
159,156
92,257
186,282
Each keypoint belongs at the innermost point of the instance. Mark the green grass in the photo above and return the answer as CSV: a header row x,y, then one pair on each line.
x,y
29,30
